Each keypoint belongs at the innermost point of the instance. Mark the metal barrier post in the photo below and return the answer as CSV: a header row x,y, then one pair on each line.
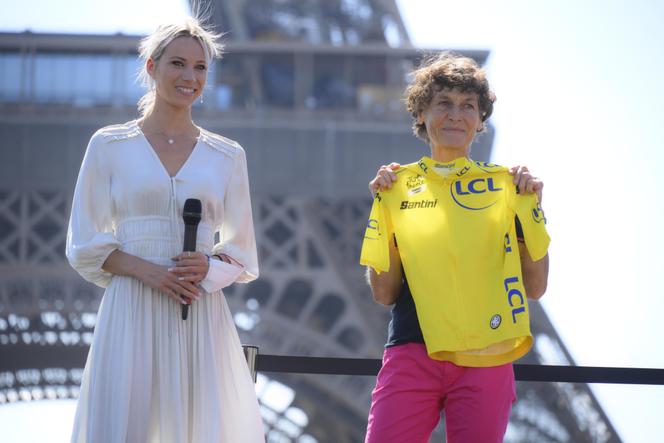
x,y
250,354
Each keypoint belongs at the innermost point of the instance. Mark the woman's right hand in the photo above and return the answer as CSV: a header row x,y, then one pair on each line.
x,y
384,178
153,275
160,278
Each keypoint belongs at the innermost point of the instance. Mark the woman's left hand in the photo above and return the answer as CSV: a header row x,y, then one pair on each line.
x,y
526,182
190,266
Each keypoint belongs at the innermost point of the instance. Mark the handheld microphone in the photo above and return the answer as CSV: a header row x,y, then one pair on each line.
x,y
191,214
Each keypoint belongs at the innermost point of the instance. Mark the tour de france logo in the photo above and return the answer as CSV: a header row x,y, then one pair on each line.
x,y
496,320
414,181
475,195
415,185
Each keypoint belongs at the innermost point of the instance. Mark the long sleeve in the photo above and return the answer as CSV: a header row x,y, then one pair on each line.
x,y
236,235
90,238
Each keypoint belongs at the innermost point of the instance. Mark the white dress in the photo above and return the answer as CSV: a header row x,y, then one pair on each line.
x,y
150,376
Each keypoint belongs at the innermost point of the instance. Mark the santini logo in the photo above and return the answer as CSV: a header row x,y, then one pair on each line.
x,y
419,204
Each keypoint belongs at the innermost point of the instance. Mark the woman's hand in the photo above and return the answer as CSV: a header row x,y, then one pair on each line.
x,y
164,280
155,276
190,267
384,178
526,182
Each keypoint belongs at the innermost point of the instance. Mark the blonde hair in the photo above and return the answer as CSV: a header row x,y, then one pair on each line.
x,y
154,45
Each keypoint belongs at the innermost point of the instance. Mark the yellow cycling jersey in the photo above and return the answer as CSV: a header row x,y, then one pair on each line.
x,y
454,225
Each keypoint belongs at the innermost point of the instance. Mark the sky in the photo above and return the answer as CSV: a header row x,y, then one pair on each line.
x,y
579,102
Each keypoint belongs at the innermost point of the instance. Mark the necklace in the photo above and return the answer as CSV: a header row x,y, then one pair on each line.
x,y
170,139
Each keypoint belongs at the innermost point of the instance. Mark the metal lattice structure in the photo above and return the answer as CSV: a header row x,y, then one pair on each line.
x,y
338,22
310,300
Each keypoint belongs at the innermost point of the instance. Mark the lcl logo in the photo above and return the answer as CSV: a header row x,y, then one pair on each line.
x,y
538,214
459,189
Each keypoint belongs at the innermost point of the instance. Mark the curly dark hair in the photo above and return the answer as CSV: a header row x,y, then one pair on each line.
x,y
446,70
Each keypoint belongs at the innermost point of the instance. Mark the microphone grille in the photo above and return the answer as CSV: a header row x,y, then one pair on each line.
x,y
191,213
193,205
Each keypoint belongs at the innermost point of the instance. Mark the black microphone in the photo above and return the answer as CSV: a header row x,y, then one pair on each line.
x,y
191,214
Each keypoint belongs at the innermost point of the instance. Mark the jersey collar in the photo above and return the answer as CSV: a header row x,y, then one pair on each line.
x,y
441,170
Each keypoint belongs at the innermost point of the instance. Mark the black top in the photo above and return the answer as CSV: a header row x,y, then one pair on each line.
x,y
404,326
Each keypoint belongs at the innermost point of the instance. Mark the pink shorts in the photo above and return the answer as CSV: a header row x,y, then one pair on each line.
x,y
412,389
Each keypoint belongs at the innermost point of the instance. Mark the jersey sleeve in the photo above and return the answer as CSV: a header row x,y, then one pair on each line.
x,y
533,224
375,247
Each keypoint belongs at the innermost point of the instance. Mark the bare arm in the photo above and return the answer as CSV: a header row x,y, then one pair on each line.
x,y
386,286
535,273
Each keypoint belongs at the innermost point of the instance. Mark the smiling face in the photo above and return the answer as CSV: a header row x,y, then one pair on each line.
x,y
180,73
452,119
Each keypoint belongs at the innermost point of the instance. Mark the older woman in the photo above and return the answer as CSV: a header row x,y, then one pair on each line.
x,y
151,376
457,246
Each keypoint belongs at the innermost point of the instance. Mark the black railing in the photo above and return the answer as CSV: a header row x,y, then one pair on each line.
x,y
44,370
523,372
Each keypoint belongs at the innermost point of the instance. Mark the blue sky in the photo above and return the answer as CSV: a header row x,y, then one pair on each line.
x,y
579,102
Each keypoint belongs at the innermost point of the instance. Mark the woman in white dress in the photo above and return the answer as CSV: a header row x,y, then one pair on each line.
x,y
151,376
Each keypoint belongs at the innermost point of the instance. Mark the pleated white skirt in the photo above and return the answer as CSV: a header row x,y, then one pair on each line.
x,y
152,377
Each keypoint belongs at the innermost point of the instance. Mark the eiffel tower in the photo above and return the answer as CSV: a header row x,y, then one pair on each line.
x,y
312,90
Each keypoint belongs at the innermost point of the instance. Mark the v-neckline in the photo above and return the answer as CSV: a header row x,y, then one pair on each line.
x,y
158,159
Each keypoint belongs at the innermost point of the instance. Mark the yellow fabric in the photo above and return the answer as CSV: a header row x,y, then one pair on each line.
x,y
455,230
